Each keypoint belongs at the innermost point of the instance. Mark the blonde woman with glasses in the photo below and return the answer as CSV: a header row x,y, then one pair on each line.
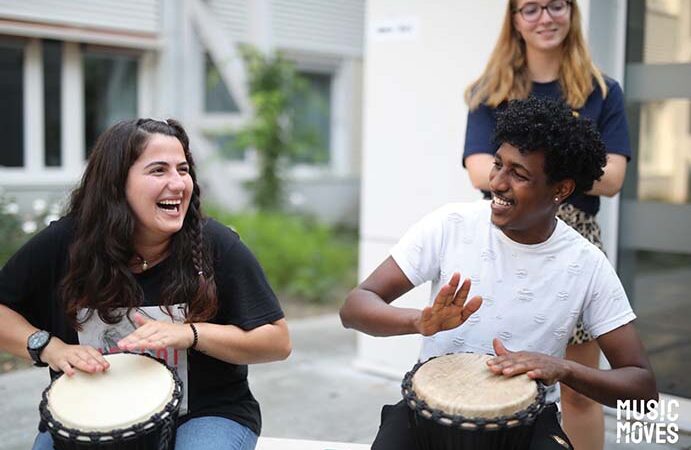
x,y
541,52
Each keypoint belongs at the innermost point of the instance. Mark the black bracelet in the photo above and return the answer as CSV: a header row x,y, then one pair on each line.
x,y
196,336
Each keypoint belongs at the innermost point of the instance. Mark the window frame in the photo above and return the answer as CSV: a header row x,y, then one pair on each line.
x,y
211,123
11,42
35,172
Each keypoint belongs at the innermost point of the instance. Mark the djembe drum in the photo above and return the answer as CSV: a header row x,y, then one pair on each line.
x,y
456,403
131,406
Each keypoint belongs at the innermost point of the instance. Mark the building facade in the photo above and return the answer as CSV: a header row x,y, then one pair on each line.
x,y
72,68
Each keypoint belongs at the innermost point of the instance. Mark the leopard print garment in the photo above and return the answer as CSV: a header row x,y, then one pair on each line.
x,y
587,226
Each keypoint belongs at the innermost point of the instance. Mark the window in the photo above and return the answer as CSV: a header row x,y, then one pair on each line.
x,y
217,98
35,94
313,119
110,91
52,79
654,240
664,156
227,145
12,104
311,112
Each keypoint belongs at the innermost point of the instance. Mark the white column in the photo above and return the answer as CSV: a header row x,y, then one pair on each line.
x,y
261,35
173,66
33,107
346,103
193,82
605,28
72,101
223,51
145,85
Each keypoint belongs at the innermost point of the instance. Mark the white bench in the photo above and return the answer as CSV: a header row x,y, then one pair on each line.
x,y
265,443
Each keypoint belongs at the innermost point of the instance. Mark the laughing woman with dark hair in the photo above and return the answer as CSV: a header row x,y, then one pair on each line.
x,y
135,266
532,276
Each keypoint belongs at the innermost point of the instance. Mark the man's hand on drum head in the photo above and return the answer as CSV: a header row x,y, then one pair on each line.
x,y
449,309
66,358
156,335
537,366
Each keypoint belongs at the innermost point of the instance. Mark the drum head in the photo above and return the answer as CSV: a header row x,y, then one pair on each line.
x,y
133,389
462,385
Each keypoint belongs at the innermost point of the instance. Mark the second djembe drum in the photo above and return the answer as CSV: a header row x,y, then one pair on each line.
x,y
457,403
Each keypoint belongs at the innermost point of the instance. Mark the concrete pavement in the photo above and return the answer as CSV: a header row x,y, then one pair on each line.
x,y
315,395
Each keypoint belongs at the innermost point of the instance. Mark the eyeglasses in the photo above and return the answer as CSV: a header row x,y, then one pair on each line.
x,y
531,12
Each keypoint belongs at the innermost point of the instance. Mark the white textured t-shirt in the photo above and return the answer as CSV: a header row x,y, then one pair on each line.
x,y
532,295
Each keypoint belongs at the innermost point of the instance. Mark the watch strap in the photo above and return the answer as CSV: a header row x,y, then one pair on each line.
x,y
35,353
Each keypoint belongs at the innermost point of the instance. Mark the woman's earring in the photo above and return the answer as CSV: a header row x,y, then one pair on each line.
x,y
556,199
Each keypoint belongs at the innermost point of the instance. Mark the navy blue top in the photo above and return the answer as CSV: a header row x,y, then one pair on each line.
x,y
607,115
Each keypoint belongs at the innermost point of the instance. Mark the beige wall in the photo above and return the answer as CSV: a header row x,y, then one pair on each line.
x,y
413,133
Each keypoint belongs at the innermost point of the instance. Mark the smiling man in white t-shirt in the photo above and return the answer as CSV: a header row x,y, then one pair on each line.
x,y
529,276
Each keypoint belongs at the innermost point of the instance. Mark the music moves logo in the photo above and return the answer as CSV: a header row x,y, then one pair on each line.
x,y
651,422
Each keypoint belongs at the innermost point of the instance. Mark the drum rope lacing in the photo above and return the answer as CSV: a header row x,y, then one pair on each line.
x,y
523,417
166,417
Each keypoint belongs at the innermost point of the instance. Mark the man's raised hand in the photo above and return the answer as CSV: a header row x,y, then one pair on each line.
x,y
449,309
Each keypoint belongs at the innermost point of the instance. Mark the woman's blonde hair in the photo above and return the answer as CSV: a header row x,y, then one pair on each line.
x,y
506,75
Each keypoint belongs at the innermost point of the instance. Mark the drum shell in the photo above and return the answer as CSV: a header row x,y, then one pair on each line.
x,y
159,437
156,433
431,435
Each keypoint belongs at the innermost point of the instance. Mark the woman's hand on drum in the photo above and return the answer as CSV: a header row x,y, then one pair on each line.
x,y
537,366
449,309
156,335
66,358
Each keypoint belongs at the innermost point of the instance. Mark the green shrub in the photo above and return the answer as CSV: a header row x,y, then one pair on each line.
x,y
278,129
301,257
11,235
17,227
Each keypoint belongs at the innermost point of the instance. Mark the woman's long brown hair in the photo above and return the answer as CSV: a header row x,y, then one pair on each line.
x,y
506,76
98,276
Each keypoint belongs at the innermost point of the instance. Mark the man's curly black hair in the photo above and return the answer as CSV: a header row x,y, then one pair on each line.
x,y
572,147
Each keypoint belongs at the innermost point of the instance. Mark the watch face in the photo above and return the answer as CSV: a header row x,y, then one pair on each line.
x,y
38,339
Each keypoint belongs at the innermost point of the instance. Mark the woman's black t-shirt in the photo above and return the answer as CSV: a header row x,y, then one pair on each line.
x,y
29,284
